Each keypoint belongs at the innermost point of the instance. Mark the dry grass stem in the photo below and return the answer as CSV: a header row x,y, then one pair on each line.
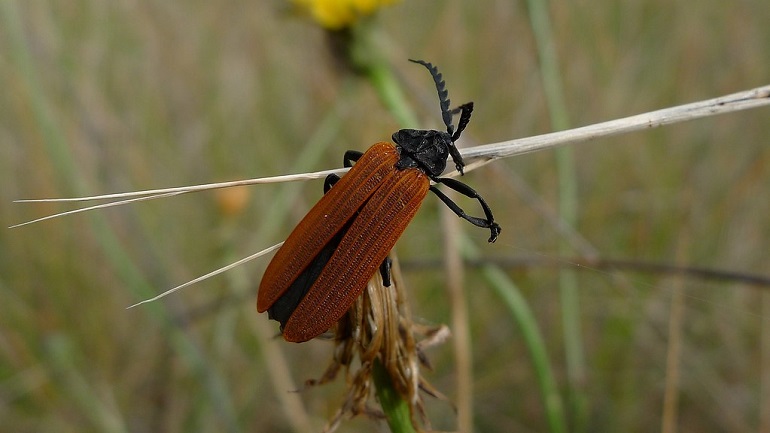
x,y
210,274
754,98
476,156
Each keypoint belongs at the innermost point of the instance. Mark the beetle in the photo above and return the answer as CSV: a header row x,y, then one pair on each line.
x,y
327,260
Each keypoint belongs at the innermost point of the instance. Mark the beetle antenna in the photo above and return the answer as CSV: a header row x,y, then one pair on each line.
x,y
443,94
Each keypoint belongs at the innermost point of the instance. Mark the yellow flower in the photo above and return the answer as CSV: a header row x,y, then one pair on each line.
x,y
338,14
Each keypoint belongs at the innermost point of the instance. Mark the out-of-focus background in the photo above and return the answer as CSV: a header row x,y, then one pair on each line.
x,y
102,97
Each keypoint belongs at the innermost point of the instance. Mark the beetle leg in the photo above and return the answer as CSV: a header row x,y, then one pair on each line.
x,y
467,191
385,271
330,181
350,157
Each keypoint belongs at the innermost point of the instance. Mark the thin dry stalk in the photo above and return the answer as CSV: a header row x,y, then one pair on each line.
x,y
455,275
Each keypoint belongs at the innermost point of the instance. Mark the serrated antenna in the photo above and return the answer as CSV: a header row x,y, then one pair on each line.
x,y
443,94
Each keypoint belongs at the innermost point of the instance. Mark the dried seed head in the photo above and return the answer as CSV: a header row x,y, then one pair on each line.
x,y
378,328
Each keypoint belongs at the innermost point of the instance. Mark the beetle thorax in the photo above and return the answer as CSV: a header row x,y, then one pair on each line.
x,y
424,149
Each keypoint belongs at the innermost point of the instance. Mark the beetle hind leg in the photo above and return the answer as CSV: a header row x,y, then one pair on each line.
x,y
488,222
385,271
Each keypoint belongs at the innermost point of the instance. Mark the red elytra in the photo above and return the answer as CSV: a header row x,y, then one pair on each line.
x,y
381,202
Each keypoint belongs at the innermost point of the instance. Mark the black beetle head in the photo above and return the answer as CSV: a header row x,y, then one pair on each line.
x,y
425,149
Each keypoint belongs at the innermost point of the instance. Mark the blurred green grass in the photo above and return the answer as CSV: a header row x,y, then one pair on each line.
x,y
106,97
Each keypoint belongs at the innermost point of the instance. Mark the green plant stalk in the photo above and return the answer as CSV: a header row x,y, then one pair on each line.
x,y
512,297
391,95
568,203
396,409
364,56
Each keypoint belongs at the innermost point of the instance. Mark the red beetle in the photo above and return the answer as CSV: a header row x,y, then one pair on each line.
x,y
327,260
